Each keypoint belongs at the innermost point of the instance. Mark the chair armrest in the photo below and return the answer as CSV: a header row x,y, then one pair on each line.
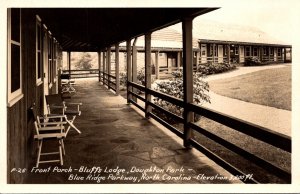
x,y
54,116
53,123
57,106
74,103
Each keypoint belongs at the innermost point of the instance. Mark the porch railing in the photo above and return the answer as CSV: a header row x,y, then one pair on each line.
x,y
76,74
268,136
108,80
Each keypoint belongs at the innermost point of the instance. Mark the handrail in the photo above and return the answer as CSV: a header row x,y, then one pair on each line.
x,y
266,135
263,134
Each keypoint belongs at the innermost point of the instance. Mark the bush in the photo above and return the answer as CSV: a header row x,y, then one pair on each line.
x,y
123,79
174,87
213,68
252,61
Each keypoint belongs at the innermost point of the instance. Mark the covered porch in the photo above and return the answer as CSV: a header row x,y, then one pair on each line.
x,y
116,135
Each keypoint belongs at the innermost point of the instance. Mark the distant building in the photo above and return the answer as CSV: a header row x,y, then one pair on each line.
x,y
212,42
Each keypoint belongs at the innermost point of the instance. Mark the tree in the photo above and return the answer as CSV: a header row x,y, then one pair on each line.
x,y
84,62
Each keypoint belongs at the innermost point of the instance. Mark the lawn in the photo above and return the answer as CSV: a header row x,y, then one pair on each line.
x,y
271,87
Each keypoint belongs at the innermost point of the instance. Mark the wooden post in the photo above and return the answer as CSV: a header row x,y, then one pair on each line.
x,y
134,67
228,54
148,108
261,53
284,55
69,62
99,65
108,66
178,60
129,69
104,68
213,53
117,70
187,39
269,54
197,59
239,53
156,65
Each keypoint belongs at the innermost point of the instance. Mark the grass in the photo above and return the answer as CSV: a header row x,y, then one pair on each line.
x,y
271,87
268,87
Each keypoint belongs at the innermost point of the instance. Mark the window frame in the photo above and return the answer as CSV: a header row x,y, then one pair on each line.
x,y
39,52
271,51
236,50
255,52
15,96
279,52
247,47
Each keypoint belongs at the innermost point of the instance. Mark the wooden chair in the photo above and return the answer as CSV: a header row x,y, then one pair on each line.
x,y
57,106
47,130
67,84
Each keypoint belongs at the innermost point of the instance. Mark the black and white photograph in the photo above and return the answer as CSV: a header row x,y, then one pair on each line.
x,y
149,96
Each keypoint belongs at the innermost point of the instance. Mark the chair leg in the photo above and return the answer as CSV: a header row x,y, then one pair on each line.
x,y
40,144
63,147
71,125
60,153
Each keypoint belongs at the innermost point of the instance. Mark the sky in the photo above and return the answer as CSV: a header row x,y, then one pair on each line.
x,y
277,17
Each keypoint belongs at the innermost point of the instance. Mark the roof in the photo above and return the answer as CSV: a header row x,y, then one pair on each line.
x,y
92,29
210,31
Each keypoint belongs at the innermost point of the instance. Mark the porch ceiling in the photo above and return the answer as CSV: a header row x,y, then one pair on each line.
x,y
92,29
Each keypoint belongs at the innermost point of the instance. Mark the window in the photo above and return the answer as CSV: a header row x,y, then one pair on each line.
x,y
14,63
39,58
271,51
236,50
203,49
213,50
255,53
247,49
279,51
265,50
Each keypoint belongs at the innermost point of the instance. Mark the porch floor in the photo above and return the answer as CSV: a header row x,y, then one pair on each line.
x,y
115,135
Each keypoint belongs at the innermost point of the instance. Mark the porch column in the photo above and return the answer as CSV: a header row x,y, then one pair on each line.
x,y
117,70
99,65
104,68
213,53
129,69
187,40
156,65
108,66
228,54
134,67
178,60
69,61
261,53
147,73
197,59
284,55
269,54
239,53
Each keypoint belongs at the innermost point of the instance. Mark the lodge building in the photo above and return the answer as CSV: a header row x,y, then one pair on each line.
x,y
38,36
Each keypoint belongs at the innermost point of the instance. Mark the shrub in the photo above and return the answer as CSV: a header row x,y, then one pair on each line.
x,y
252,61
213,68
123,79
174,87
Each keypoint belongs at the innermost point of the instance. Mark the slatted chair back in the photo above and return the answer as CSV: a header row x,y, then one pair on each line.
x,y
55,104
